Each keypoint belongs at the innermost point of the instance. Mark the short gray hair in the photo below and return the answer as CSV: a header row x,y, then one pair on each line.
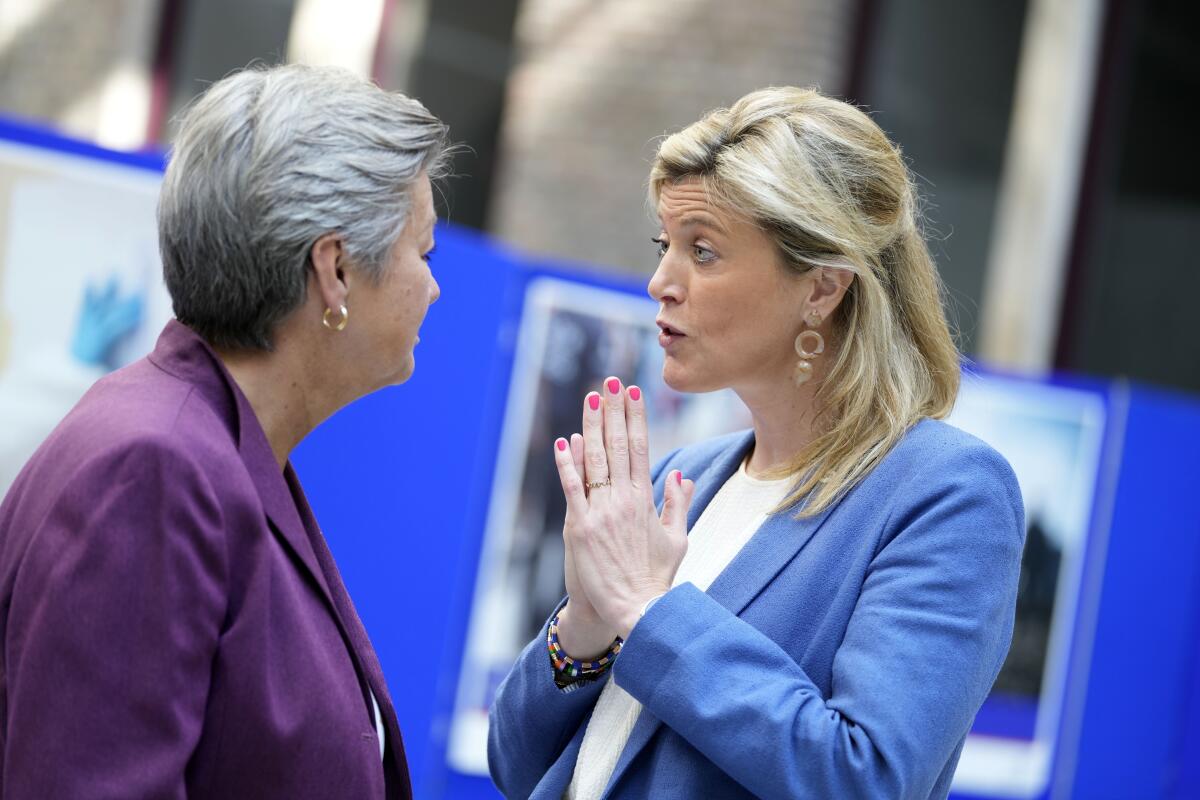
x,y
266,162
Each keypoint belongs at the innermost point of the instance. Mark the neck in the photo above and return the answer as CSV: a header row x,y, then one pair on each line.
x,y
785,421
279,388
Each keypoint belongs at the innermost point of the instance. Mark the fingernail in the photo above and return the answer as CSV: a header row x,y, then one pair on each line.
x,y
561,444
635,393
679,477
614,386
593,401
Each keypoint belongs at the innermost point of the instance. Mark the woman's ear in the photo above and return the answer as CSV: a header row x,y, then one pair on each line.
x,y
829,286
328,271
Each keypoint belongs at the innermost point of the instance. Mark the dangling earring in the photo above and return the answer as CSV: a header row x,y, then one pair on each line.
x,y
809,345
341,325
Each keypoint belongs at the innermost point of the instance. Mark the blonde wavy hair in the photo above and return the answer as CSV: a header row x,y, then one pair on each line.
x,y
821,178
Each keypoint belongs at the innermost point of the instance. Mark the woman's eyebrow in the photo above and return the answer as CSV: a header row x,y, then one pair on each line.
x,y
705,220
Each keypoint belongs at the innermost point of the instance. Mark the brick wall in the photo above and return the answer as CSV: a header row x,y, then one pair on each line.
x,y
82,66
598,82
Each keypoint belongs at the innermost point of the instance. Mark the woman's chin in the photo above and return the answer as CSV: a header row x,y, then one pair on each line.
x,y
406,370
403,372
680,380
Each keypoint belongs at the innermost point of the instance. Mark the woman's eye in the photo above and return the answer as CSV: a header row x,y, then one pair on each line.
x,y
428,257
703,254
662,246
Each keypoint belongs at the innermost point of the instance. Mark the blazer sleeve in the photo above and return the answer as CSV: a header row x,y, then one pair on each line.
x,y
924,644
532,720
113,629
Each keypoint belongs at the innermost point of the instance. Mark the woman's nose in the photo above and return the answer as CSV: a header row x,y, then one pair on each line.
x,y
663,286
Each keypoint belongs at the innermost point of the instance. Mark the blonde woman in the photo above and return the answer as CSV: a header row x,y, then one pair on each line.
x,y
823,602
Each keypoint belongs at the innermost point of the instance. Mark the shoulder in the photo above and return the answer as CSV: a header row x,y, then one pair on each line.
x,y
138,398
119,494
940,470
943,454
137,424
142,407
132,475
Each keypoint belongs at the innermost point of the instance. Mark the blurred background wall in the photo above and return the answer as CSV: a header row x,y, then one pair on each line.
x,y
596,86
1060,205
1047,136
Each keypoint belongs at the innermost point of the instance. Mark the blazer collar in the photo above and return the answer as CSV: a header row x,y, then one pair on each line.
x,y
769,550
359,643
771,547
181,352
715,473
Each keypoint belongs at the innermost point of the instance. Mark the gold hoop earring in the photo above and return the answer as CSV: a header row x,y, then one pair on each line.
x,y
809,344
341,325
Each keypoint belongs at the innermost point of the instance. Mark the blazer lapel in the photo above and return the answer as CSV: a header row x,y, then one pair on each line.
x,y
371,671
277,499
182,353
557,779
771,547
646,726
769,550
713,476
293,522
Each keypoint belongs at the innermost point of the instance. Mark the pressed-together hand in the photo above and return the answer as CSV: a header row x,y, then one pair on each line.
x,y
619,552
581,631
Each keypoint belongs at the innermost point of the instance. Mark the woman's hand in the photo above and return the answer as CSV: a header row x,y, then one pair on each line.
x,y
620,552
581,631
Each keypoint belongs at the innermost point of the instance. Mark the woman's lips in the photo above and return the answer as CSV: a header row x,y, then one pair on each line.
x,y
668,335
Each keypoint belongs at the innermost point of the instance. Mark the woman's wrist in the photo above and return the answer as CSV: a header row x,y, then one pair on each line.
x,y
582,634
570,672
637,608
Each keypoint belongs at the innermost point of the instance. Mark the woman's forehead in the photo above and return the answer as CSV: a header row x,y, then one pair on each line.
x,y
687,202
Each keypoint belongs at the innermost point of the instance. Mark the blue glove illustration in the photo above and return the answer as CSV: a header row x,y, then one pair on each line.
x,y
105,318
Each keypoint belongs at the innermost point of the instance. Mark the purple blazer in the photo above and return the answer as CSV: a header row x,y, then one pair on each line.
x,y
173,623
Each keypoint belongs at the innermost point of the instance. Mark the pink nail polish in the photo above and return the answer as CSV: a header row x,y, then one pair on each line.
x,y
594,401
614,386
679,477
561,444
635,393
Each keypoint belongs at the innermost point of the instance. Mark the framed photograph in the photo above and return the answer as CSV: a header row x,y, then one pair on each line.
x,y
571,337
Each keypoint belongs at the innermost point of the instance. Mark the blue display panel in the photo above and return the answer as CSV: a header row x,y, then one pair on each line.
x,y
572,335
1068,442
1133,717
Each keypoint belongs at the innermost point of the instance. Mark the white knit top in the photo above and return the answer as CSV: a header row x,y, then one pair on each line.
x,y
738,510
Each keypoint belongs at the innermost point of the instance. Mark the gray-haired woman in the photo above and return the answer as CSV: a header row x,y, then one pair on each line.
x,y
173,623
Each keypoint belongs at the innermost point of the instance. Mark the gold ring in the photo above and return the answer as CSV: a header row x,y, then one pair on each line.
x,y
599,484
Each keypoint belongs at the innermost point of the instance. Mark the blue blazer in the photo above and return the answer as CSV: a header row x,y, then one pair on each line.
x,y
843,655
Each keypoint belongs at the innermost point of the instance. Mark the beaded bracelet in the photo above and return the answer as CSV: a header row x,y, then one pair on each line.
x,y
569,670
